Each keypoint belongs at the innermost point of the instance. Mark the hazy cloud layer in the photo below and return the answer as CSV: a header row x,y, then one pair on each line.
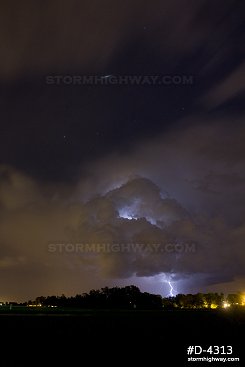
x,y
86,35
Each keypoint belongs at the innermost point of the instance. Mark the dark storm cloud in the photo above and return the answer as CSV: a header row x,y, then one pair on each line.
x,y
187,205
77,34
208,186
54,130
48,36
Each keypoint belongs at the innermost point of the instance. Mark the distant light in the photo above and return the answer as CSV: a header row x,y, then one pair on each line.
x,y
226,305
243,300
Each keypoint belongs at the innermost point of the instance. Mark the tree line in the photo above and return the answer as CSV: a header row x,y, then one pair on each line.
x,y
130,297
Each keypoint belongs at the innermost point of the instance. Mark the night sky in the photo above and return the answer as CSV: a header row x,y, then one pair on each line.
x,y
121,162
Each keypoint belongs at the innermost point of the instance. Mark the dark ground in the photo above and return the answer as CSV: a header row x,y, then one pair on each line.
x,y
129,338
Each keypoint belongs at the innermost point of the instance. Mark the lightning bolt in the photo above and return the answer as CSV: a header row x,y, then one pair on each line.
x,y
168,279
171,289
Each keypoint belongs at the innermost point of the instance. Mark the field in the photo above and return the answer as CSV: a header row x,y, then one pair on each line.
x,y
54,336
